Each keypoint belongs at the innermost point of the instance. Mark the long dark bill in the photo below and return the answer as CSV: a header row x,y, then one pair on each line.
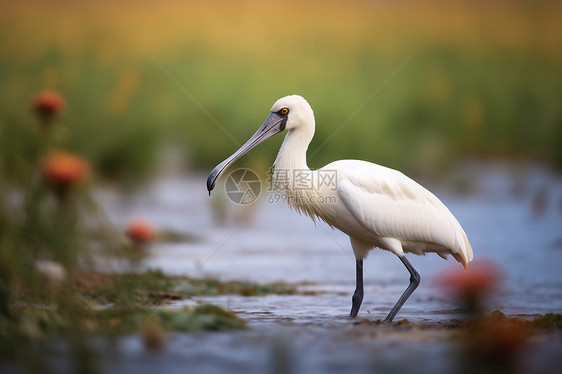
x,y
273,124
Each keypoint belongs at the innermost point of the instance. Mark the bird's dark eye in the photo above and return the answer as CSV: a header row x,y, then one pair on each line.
x,y
284,111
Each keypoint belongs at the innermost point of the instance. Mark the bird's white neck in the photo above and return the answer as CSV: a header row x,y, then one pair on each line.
x,y
293,178
292,154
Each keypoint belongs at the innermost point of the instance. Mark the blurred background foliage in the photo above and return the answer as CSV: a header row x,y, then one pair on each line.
x,y
448,79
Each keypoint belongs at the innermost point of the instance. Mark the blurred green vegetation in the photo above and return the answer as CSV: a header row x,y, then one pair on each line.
x,y
483,80
155,288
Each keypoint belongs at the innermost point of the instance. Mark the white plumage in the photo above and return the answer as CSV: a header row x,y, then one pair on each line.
x,y
398,213
375,205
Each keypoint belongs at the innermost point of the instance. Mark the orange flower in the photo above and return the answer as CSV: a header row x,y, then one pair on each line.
x,y
473,285
48,105
64,170
140,231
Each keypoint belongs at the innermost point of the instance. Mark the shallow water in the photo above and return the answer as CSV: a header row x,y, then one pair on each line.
x,y
314,349
276,244
313,333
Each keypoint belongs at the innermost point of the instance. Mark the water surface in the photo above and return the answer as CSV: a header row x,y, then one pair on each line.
x,y
511,217
269,243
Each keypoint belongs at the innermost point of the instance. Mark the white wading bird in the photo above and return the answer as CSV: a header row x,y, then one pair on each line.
x,y
374,205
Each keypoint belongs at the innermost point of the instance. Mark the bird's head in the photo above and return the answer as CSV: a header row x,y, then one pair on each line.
x,y
296,111
288,113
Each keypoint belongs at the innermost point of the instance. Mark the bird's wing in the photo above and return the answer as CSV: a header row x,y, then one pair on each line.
x,y
391,205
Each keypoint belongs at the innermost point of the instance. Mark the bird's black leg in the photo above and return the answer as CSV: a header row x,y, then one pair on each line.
x,y
414,282
358,294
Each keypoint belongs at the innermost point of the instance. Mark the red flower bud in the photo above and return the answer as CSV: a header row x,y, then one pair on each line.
x,y
48,105
140,231
473,285
64,170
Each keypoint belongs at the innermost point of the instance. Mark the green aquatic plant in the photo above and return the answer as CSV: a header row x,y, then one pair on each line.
x,y
549,321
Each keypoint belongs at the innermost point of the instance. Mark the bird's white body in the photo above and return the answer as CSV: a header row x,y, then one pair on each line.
x,y
375,205
381,207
